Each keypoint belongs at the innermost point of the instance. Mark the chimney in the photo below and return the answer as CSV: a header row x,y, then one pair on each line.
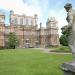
x,y
11,12
40,25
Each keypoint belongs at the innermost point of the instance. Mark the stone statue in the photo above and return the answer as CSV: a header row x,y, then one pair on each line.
x,y
69,67
71,26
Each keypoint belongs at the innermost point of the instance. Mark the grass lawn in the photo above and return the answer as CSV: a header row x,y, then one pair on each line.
x,y
30,62
61,49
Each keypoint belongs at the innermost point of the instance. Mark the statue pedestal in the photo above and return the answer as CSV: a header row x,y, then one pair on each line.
x,y
68,68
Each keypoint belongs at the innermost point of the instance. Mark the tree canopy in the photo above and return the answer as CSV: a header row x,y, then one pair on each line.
x,y
12,40
64,36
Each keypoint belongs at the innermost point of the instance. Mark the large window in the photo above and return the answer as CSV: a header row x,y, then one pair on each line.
x,y
24,21
14,21
21,21
29,21
7,30
1,20
27,32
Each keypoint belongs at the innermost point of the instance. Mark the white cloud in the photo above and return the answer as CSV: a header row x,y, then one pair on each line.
x,y
20,7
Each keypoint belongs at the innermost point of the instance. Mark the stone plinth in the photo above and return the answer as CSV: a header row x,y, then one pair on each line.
x,y
68,68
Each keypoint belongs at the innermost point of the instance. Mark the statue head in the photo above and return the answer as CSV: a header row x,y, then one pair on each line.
x,y
68,6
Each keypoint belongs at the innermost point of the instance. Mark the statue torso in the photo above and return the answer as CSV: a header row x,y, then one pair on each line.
x,y
71,19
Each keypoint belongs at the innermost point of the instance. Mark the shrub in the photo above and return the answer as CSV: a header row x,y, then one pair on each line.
x,y
64,40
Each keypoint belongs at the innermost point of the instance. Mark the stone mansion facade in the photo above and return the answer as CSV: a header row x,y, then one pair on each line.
x,y
27,31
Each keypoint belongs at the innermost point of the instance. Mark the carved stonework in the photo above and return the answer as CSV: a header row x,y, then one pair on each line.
x,y
69,67
26,29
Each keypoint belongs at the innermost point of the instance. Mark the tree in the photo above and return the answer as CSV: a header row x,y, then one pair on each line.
x,y
64,40
64,36
12,40
67,30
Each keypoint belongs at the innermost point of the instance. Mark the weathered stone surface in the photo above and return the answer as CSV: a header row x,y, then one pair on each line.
x,y
69,67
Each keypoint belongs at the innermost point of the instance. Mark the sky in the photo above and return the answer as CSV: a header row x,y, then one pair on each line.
x,y
43,8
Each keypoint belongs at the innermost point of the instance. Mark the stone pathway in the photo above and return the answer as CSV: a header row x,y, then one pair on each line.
x,y
45,50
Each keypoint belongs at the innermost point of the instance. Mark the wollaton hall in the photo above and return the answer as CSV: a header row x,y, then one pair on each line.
x,y
27,31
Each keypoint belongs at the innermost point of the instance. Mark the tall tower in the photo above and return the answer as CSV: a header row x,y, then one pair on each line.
x,y
42,36
52,30
11,21
2,29
35,19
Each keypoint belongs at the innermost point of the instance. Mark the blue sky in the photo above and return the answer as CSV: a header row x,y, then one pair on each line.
x,y
44,8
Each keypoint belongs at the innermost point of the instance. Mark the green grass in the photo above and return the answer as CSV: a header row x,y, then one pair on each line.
x,y
61,49
31,62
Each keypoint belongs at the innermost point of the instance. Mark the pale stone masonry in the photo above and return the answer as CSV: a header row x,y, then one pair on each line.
x,y
2,29
52,30
27,31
